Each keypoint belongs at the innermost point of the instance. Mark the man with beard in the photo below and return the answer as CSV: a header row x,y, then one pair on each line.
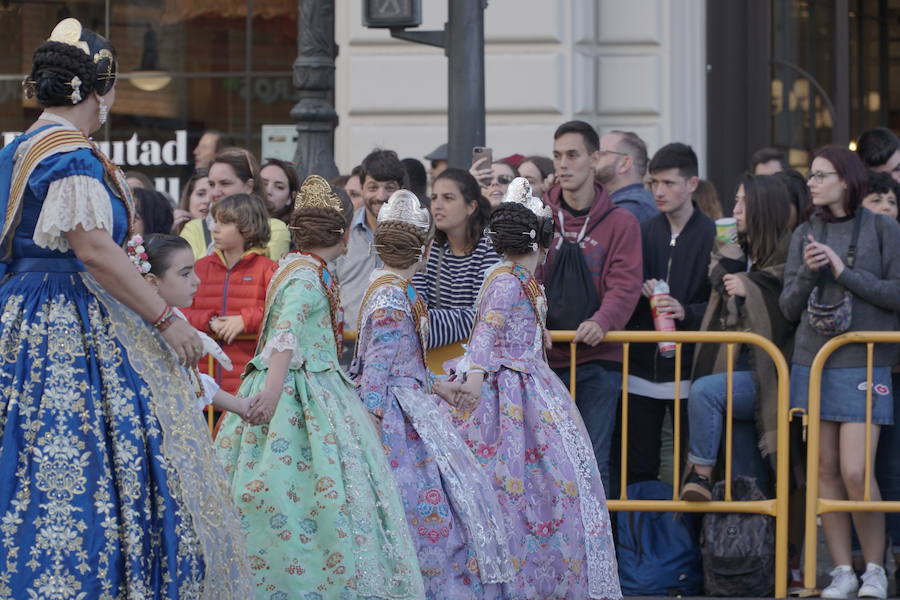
x,y
381,174
620,170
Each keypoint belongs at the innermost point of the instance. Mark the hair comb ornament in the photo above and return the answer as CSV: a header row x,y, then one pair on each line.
x,y
519,191
404,206
315,191
75,84
68,31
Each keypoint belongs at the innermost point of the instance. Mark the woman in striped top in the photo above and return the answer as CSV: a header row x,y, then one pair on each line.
x,y
459,258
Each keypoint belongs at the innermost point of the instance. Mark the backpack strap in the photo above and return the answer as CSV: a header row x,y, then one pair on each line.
x,y
588,225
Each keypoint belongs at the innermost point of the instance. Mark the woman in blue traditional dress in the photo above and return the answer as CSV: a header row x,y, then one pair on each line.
x,y
110,486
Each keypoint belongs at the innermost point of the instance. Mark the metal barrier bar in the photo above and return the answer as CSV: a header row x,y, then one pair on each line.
x,y
623,487
776,507
729,420
815,505
676,428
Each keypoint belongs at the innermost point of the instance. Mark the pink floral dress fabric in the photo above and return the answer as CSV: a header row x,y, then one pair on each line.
x,y
528,435
454,519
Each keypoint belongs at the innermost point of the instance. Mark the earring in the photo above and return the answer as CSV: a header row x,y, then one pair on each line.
x,y
104,109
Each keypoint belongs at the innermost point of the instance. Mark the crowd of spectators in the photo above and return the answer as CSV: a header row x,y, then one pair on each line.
x,y
805,258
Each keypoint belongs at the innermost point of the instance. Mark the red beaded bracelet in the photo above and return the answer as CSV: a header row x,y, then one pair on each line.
x,y
166,313
167,321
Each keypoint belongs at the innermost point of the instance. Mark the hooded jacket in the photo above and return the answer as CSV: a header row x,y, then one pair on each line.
x,y
240,290
612,252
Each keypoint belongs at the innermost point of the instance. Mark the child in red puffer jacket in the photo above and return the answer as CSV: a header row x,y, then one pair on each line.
x,y
233,282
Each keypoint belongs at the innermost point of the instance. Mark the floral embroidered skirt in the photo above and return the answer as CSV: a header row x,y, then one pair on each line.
x,y
316,497
453,515
528,435
110,485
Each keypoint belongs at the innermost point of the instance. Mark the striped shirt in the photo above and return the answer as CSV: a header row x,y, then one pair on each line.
x,y
450,288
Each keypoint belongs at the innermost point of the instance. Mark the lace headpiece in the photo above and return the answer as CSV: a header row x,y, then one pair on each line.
x,y
404,206
519,191
315,191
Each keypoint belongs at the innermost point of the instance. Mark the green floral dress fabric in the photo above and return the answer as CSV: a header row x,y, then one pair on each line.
x,y
316,497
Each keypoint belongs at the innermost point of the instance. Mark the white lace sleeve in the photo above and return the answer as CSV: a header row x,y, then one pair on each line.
x,y
282,339
72,201
210,389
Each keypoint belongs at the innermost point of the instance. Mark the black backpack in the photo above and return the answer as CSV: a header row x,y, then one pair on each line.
x,y
571,293
738,548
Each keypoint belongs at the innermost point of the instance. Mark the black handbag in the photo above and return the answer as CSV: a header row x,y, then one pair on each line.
x,y
833,319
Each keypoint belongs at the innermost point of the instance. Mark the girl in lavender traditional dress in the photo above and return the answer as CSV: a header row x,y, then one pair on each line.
x,y
525,429
453,515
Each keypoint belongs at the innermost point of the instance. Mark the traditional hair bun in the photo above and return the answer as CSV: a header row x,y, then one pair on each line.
x,y
514,229
70,66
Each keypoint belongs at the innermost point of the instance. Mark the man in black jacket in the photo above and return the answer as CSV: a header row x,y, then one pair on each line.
x,y
676,248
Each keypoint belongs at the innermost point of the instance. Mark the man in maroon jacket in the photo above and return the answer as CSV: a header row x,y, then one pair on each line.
x,y
598,247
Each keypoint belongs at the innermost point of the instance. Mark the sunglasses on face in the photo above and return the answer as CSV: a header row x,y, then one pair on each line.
x,y
502,179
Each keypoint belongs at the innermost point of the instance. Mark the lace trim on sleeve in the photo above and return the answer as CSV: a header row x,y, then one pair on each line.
x,y
210,389
72,201
282,339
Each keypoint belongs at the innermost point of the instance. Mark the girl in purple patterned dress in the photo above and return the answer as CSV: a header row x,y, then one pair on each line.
x,y
521,423
453,515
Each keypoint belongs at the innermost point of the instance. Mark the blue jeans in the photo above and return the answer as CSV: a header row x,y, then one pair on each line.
x,y
706,415
597,391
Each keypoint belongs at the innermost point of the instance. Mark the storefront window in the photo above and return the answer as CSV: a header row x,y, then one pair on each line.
x,y
225,72
805,95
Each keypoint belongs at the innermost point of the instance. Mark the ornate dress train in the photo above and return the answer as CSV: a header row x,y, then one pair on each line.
x,y
452,512
110,484
528,435
313,488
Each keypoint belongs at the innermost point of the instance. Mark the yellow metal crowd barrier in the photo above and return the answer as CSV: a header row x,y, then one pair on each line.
x,y
776,507
815,505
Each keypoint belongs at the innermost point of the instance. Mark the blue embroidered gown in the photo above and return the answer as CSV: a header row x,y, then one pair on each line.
x,y
110,487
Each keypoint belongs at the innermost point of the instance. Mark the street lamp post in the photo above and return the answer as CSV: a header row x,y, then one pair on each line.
x,y
463,42
314,79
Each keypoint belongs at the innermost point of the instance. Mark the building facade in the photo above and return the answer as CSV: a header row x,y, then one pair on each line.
x,y
725,77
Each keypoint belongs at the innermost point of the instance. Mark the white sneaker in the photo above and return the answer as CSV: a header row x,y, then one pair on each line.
x,y
843,583
874,582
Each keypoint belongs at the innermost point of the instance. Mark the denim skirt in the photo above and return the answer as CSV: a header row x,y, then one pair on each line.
x,y
844,394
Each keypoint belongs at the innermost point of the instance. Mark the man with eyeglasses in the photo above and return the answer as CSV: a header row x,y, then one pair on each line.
x,y
381,174
879,149
620,170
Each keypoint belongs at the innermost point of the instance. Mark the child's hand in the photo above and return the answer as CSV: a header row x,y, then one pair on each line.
x,y
243,406
447,391
469,395
228,328
262,407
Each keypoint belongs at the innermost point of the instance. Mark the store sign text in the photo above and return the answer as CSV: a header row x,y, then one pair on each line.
x,y
147,153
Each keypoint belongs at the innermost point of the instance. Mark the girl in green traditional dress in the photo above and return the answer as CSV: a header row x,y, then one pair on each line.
x,y
316,496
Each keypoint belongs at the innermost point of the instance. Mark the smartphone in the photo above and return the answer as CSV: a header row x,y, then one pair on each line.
x,y
480,153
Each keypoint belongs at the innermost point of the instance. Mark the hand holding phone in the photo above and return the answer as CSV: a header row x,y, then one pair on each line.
x,y
482,158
